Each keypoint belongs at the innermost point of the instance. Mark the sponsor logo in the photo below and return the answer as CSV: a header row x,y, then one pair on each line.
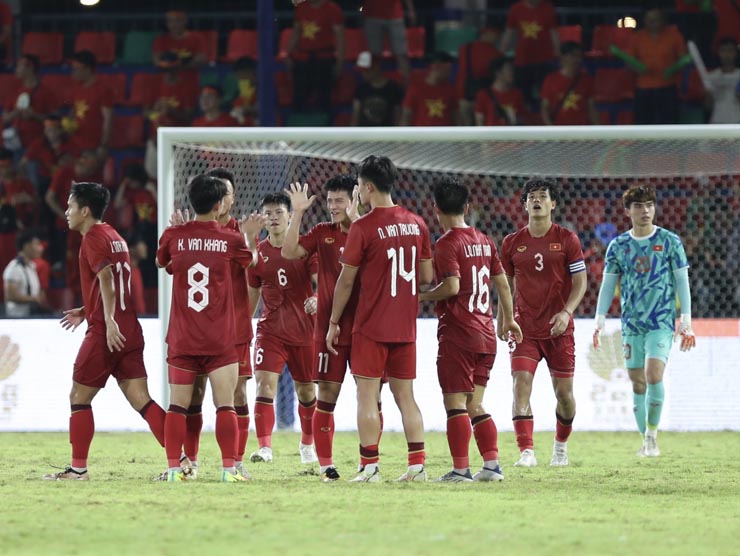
x,y
329,240
556,247
521,248
10,357
265,258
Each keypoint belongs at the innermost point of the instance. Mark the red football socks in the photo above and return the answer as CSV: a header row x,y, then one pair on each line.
x,y
227,433
264,421
524,427
174,434
242,418
81,431
154,416
486,437
323,431
305,413
458,437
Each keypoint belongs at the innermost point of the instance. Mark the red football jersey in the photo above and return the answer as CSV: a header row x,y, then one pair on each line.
x,y
475,59
41,151
223,120
431,104
317,29
387,245
574,109
511,102
87,105
466,319
327,240
182,95
286,284
202,312
43,101
382,9
101,247
542,268
242,310
532,25
186,47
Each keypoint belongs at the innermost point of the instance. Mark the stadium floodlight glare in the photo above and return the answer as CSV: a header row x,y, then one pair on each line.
x,y
89,2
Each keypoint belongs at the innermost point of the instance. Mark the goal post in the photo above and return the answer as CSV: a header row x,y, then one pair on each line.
x,y
692,167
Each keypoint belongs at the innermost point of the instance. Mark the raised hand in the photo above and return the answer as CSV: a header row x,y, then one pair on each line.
x,y
253,224
72,318
299,198
179,217
353,210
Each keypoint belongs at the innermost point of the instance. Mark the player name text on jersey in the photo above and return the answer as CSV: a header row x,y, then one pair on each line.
x,y
477,250
200,244
118,247
400,229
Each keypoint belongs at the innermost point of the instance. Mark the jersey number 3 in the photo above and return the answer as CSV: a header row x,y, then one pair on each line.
x,y
540,266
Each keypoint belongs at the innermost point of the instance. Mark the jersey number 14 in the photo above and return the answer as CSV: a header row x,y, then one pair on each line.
x,y
398,268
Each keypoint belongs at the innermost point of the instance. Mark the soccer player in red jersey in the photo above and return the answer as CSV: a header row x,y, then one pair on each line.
x,y
244,335
544,265
326,240
389,250
465,263
113,343
201,336
284,331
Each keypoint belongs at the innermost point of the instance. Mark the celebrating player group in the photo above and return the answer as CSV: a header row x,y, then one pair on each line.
x,y
345,296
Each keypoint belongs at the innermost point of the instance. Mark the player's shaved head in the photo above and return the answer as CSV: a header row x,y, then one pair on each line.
x,y
379,170
450,196
205,191
640,193
92,195
539,184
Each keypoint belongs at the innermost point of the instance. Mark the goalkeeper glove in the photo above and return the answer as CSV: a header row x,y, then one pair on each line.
x,y
688,339
600,320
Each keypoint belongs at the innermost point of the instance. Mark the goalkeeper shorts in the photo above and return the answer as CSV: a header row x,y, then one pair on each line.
x,y
655,344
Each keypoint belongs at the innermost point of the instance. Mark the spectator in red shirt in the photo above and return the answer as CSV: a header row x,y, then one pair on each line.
x,y
29,103
54,148
433,101
566,97
6,32
175,97
315,52
473,71
210,105
136,199
138,252
92,106
533,25
244,108
500,103
188,47
728,21
385,18
19,191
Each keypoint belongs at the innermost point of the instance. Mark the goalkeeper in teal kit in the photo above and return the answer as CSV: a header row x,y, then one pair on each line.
x,y
650,264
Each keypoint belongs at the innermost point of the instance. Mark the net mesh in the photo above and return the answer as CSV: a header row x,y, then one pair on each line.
x,y
697,180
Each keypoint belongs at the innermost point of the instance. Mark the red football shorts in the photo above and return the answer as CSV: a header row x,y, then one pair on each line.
x,y
272,355
95,362
183,369
245,360
558,352
330,367
371,359
459,370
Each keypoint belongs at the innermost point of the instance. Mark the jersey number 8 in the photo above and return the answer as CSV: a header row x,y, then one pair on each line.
x,y
198,287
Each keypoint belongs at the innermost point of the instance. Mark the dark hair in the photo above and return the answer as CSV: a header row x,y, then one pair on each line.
x,y
25,237
540,184
726,41
245,63
92,195
6,154
223,174
136,172
497,65
570,47
33,59
441,57
204,192
450,196
215,88
341,182
276,199
640,193
379,170
86,58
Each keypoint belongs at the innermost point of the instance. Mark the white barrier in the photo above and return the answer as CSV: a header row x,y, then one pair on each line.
x,y
702,386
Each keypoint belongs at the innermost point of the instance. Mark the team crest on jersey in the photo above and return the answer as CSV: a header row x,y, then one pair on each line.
x,y
521,248
657,247
329,240
265,258
556,247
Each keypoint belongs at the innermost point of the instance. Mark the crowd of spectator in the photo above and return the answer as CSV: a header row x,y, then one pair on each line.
x,y
521,71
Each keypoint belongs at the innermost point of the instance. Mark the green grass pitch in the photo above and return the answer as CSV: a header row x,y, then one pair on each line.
x,y
687,502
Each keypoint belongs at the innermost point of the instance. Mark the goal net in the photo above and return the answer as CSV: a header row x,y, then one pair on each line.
x,y
695,170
